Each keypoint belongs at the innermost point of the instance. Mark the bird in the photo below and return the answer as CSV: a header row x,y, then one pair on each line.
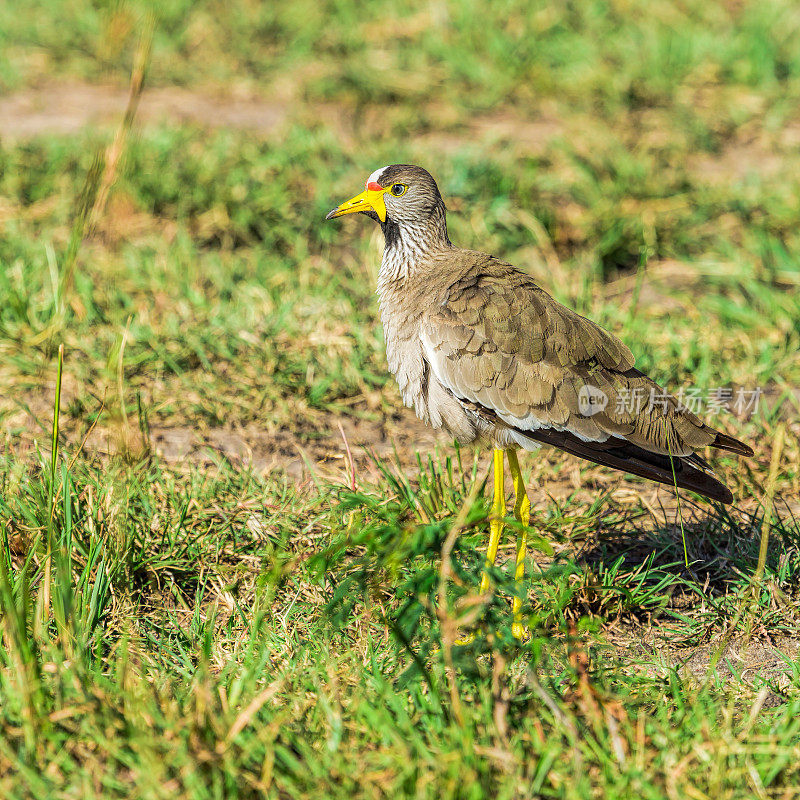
x,y
480,350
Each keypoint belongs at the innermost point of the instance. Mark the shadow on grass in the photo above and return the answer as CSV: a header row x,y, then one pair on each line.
x,y
701,604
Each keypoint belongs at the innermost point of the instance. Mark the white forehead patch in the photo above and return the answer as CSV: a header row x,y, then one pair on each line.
x,y
376,174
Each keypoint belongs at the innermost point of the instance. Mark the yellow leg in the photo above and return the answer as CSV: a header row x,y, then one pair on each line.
x,y
522,511
496,518
497,513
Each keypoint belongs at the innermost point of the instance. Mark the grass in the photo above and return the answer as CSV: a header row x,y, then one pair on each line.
x,y
269,614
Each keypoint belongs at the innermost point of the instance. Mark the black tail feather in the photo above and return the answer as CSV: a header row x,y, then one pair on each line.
x,y
725,442
690,472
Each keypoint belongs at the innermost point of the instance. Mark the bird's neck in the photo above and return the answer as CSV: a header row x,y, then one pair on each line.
x,y
408,246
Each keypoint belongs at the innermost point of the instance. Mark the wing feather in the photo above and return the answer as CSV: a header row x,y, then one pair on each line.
x,y
498,340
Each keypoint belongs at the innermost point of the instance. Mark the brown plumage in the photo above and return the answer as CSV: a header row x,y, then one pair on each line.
x,y
478,348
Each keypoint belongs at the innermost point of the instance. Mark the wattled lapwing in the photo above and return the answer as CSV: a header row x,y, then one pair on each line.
x,y
479,349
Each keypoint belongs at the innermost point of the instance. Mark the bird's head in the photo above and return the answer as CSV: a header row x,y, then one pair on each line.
x,y
402,194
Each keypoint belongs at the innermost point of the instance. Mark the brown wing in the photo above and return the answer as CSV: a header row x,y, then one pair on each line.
x,y
500,342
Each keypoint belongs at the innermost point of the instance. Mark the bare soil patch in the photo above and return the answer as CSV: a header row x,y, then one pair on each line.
x,y
756,659
65,108
318,449
319,445
70,107
73,106
296,453
738,161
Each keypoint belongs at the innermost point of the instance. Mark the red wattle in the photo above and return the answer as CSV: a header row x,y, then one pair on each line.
x,y
374,187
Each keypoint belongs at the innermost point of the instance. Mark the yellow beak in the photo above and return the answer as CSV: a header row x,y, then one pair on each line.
x,y
368,200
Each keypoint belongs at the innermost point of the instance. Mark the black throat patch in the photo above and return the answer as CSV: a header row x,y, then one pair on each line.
x,y
391,231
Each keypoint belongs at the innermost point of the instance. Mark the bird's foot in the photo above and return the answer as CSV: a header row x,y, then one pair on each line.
x,y
521,632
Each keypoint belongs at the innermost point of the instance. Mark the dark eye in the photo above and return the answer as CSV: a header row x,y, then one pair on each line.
x,y
398,189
